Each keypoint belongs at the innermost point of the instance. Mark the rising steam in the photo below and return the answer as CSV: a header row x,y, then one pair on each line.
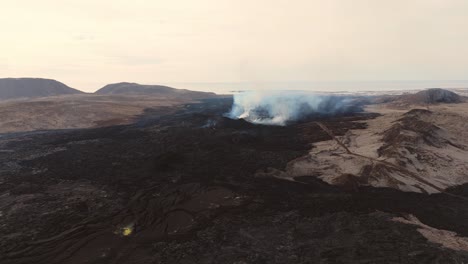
x,y
282,107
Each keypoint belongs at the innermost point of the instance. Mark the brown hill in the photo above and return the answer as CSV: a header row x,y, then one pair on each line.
x,y
13,88
126,88
432,96
426,97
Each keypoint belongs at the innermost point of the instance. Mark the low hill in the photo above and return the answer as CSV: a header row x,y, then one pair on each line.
x,y
13,88
126,88
115,104
425,97
432,96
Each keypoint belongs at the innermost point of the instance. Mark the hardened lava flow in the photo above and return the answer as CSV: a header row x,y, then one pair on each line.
x,y
188,185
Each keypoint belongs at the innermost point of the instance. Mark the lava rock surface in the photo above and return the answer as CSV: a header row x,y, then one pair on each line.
x,y
179,186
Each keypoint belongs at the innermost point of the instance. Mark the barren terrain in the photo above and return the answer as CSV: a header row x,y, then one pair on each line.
x,y
180,183
77,111
418,150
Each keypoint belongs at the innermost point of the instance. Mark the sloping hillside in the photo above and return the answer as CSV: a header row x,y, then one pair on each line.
x,y
432,96
76,111
426,97
13,88
417,150
126,88
115,104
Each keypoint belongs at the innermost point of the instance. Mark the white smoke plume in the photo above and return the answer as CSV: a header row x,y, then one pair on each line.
x,y
281,107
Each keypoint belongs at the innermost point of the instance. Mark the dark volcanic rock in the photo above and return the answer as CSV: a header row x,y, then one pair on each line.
x,y
12,88
172,189
290,237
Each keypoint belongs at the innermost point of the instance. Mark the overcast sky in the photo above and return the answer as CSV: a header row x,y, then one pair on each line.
x,y
89,43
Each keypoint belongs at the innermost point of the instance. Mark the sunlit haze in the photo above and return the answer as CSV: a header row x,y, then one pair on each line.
x,y
204,44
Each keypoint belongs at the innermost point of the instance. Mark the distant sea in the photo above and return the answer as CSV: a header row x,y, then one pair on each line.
x,y
338,87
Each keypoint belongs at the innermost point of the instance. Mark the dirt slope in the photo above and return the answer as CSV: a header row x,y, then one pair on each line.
x,y
76,111
417,150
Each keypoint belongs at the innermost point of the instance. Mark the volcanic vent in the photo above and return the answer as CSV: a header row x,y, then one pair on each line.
x,y
285,107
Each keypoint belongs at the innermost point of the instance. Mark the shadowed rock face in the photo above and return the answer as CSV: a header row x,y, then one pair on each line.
x,y
126,88
12,88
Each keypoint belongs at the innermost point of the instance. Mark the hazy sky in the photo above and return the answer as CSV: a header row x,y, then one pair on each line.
x,y
89,43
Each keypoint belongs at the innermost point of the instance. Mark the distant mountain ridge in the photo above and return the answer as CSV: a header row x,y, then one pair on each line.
x,y
126,88
13,88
